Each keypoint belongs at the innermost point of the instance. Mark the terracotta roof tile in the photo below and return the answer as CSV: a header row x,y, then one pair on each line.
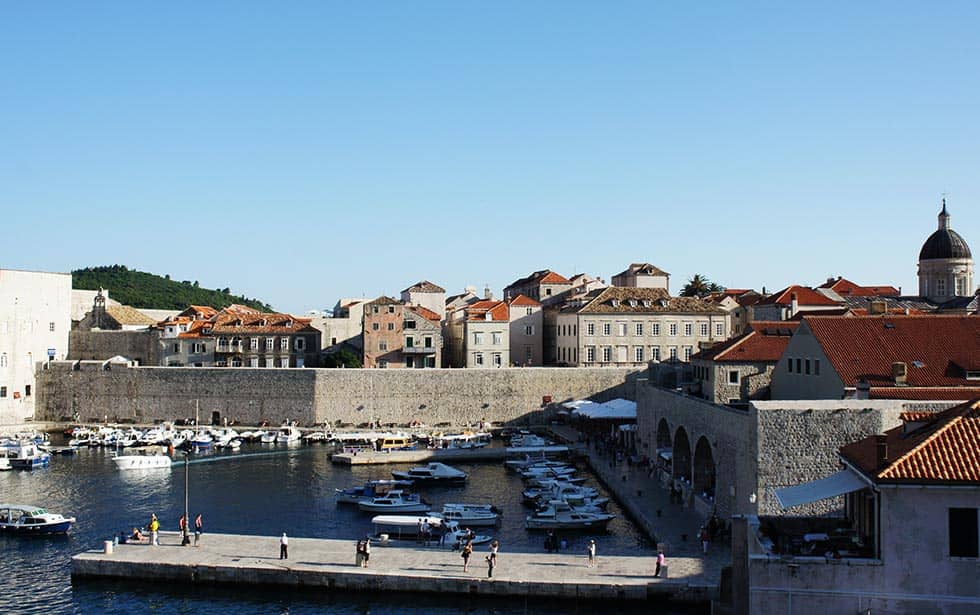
x,y
844,287
498,311
425,313
629,300
545,276
424,286
804,296
764,343
946,449
523,300
865,348
125,315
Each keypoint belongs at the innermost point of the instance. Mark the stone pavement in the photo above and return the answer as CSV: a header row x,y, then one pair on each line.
x,y
237,559
642,496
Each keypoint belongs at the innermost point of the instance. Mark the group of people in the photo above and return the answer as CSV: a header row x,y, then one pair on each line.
x,y
153,527
363,552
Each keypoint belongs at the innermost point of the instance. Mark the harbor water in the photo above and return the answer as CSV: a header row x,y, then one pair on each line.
x,y
260,490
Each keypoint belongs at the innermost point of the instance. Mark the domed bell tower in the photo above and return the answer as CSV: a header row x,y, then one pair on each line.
x,y
945,264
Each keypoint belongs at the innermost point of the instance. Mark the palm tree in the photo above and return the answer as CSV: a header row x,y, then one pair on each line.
x,y
700,286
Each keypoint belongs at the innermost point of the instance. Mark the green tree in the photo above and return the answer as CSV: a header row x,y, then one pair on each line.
x,y
341,358
700,286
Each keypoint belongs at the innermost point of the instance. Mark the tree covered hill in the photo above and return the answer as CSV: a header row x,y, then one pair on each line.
x,y
146,290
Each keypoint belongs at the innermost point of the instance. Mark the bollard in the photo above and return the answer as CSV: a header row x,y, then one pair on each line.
x,y
107,547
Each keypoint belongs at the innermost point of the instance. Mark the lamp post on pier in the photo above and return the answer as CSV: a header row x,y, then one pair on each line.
x,y
186,540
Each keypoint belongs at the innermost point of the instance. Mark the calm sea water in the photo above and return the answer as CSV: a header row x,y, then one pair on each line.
x,y
260,490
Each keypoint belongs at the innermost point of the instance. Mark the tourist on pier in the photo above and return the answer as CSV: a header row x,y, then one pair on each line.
x,y
137,535
154,530
366,553
660,562
359,554
198,529
704,539
182,524
467,552
591,552
492,558
284,546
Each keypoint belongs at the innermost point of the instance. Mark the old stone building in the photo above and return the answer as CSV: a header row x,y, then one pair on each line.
x,y
740,369
539,286
398,335
480,335
426,294
526,331
35,315
631,326
793,300
642,275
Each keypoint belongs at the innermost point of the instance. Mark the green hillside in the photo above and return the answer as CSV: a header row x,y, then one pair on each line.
x,y
146,290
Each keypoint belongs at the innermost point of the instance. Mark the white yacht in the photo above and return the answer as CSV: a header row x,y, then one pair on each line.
x,y
143,459
433,473
467,515
394,501
288,435
390,528
559,515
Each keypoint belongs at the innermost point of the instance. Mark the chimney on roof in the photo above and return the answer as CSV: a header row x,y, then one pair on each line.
x,y
862,390
794,305
487,294
900,372
881,450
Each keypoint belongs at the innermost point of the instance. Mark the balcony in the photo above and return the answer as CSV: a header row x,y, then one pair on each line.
x,y
418,350
229,348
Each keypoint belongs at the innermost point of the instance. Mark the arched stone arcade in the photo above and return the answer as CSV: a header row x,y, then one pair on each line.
x,y
663,435
682,455
705,472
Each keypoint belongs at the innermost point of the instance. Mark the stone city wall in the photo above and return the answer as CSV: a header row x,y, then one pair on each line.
x,y
100,345
334,396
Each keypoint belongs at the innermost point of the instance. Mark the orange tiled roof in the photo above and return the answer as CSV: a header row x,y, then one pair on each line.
x,y
545,276
523,300
425,313
937,350
478,311
804,296
844,287
764,343
946,449
915,416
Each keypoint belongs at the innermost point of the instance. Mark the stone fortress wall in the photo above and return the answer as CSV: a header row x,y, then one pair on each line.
x,y
94,390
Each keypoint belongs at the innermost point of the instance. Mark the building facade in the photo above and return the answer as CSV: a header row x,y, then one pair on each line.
x,y
526,331
35,318
642,275
633,326
426,294
945,264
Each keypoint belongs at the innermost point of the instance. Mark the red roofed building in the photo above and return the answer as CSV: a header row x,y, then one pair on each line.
x,y
735,371
847,288
902,357
786,303
910,538
398,335
526,331
538,286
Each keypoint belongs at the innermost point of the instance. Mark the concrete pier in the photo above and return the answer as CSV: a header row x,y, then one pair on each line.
x,y
446,455
239,560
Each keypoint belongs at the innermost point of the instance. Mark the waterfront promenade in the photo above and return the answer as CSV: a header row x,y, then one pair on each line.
x,y
327,563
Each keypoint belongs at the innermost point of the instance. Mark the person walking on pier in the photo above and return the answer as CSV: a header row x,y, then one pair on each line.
x,y
154,530
284,546
704,539
359,554
591,552
467,552
366,553
198,529
660,562
492,558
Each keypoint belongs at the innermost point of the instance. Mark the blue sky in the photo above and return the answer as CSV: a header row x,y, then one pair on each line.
x,y
301,152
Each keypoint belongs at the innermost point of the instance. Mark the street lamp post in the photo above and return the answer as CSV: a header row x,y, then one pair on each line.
x,y
186,541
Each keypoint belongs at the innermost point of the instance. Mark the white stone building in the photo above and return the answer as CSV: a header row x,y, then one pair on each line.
x,y
632,326
642,275
35,318
526,331
945,264
426,294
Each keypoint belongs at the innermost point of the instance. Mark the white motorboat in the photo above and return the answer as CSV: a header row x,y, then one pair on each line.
x,y
143,460
27,519
519,465
469,515
5,464
557,472
394,501
288,435
391,528
202,439
267,437
525,440
371,489
559,515
559,490
28,456
433,473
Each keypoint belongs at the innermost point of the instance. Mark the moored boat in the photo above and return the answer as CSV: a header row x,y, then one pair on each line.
x,y
467,515
27,519
433,473
370,489
28,456
394,528
143,460
559,515
394,501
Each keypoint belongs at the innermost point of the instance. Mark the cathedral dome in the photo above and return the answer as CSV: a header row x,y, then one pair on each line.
x,y
945,242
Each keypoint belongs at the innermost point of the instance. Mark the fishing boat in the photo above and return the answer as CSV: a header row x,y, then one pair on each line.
x,y
370,489
433,473
28,456
559,515
27,519
394,528
469,515
394,501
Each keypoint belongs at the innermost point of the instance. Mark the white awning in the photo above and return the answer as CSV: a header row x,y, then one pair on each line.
x,y
622,409
843,482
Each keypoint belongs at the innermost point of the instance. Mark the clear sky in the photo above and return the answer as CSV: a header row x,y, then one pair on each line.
x,y
301,152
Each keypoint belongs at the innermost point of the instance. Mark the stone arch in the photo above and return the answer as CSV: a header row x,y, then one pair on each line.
x,y
682,455
704,468
663,434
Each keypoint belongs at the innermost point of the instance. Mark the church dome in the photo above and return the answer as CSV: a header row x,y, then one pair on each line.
x,y
945,242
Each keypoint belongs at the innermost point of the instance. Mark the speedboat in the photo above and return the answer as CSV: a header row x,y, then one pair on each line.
x,y
519,465
370,489
563,491
28,456
559,515
390,528
433,473
27,519
143,460
267,437
394,501
468,514
288,435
